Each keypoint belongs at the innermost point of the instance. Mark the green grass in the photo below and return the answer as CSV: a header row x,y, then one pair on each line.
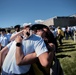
x,y
67,57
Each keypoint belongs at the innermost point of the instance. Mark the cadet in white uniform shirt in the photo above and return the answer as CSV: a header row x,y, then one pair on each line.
x,y
3,38
28,45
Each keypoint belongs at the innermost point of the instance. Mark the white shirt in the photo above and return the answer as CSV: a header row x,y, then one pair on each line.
x,y
63,29
54,33
4,40
14,33
34,43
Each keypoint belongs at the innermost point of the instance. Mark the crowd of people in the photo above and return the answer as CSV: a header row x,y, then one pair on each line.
x,y
63,32
31,44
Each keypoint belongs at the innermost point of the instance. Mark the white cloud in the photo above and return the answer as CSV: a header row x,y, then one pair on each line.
x,y
38,21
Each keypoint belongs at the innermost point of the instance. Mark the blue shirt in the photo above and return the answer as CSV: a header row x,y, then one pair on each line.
x,y
9,35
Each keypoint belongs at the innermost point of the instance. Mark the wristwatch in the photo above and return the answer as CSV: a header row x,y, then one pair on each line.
x,y
18,44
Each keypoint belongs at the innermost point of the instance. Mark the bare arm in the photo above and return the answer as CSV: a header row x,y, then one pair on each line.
x,y
3,53
24,60
47,57
20,58
15,35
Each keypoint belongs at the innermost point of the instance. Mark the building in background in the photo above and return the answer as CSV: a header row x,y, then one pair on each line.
x,y
61,21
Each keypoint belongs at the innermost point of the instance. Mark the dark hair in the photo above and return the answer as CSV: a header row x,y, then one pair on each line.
x,y
0,29
3,30
17,26
9,30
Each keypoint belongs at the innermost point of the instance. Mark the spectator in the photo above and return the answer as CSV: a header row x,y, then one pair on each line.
x,y
54,32
60,35
9,34
63,28
70,32
66,33
3,38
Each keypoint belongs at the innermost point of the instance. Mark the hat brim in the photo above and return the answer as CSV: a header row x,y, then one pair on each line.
x,y
37,26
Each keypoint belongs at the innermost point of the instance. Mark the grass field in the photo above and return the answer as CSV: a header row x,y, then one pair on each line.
x,y
67,57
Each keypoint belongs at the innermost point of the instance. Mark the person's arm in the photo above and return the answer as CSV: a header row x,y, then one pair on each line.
x,y
21,59
3,54
24,60
15,35
45,56
46,59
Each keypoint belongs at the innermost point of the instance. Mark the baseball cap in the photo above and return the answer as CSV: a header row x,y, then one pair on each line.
x,y
27,24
